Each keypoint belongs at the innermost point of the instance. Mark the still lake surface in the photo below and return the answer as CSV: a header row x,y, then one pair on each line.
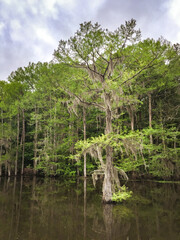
x,y
49,209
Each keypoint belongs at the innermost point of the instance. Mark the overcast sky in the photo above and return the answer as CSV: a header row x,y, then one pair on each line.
x,y
31,29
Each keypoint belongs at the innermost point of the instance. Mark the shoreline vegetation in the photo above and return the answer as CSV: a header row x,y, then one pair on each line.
x,y
108,103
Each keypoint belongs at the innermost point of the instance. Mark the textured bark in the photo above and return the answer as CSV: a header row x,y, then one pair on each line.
x,y
108,188
107,184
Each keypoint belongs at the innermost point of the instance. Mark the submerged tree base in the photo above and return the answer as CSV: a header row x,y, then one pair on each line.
x,y
116,193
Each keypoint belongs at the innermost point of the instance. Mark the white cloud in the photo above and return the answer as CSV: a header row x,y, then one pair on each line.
x,y
174,11
174,18
43,35
2,26
16,30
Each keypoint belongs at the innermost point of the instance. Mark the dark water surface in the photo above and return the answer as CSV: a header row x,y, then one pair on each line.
x,y
39,209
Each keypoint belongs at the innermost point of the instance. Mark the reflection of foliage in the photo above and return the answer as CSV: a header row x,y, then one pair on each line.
x,y
140,199
122,212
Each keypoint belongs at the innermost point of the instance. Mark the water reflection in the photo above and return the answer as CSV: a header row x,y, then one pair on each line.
x,y
36,209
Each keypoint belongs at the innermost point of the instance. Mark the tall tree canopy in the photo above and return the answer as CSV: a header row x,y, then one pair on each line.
x,y
114,62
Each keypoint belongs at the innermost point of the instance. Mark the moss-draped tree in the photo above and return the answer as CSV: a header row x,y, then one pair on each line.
x,y
111,60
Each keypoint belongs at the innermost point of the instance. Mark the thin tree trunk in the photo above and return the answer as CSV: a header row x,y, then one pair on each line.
x,y
132,120
2,132
10,150
9,168
5,168
17,145
35,142
131,116
163,134
23,141
150,116
70,132
84,125
175,141
55,136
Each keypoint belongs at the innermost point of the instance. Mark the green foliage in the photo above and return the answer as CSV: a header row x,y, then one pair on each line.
x,y
122,195
92,66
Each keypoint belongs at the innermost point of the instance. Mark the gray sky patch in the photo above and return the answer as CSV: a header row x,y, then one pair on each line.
x,y
30,30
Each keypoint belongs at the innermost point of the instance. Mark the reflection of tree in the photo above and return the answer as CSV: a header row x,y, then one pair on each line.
x,y
32,209
117,220
12,210
85,206
51,209
153,205
19,208
108,220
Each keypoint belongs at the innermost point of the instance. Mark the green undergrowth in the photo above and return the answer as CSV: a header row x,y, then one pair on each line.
x,y
122,195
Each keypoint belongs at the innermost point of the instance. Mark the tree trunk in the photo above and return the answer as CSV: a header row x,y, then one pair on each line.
x,y
55,136
84,125
9,168
132,120
131,116
71,132
108,188
2,121
5,168
150,116
50,128
107,184
35,142
162,126
23,141
17,145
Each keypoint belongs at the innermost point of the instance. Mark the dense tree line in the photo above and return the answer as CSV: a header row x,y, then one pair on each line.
x,y
107,100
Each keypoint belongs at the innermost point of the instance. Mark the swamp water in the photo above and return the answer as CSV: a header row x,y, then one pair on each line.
x,y
40,209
